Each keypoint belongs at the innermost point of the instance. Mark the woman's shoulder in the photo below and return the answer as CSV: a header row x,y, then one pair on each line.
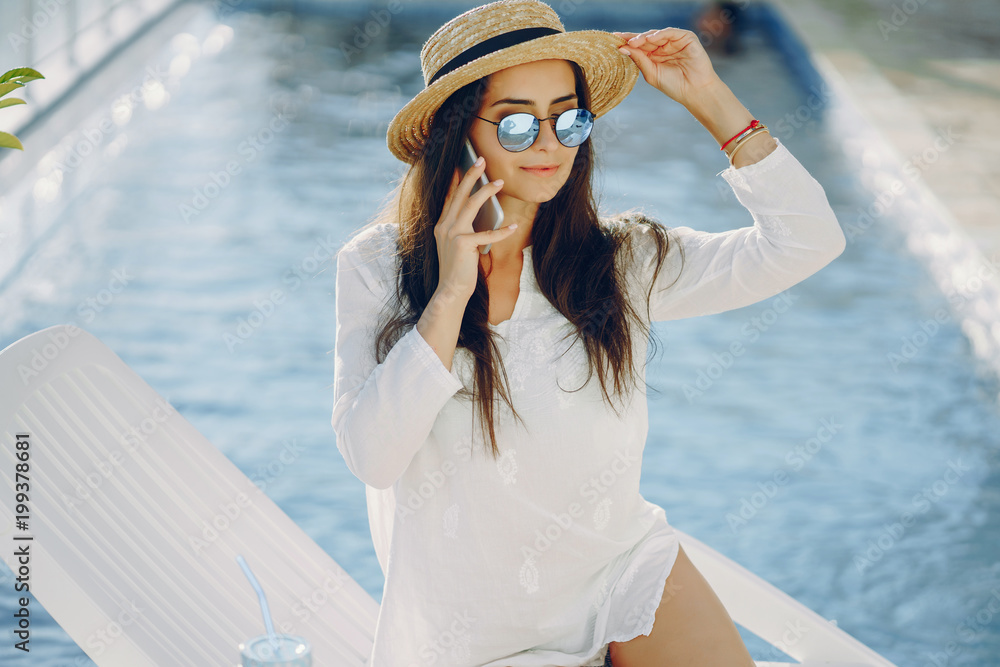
x,y
372,239
372,251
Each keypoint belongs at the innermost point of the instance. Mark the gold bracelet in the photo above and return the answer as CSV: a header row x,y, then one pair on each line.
x,y
746,136
743,143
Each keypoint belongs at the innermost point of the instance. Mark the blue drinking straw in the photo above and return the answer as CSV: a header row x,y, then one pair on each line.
x,y
262,598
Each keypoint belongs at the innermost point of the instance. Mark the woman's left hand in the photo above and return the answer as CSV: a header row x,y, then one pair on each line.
x,y
671,60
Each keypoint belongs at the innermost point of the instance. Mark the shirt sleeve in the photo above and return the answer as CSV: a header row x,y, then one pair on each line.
x,y
795,234
382,413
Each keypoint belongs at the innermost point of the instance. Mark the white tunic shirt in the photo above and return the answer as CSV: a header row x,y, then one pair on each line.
x,y
545,555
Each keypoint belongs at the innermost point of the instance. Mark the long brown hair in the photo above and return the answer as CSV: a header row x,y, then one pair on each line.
x,y
573,252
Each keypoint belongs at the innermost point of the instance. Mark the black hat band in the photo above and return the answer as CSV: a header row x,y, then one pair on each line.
x,y
501,41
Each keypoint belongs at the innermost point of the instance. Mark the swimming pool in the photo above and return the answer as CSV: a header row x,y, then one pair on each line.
x,y
213,283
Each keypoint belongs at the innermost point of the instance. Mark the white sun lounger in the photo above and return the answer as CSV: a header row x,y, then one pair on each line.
x,y
137,519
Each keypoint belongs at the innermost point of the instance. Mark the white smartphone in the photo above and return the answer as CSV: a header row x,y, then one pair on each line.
x,y
490,215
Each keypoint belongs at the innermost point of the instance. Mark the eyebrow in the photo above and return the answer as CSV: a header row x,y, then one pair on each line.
x,y
510,100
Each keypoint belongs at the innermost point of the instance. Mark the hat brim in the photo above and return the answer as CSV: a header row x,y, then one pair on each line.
x,y
610,75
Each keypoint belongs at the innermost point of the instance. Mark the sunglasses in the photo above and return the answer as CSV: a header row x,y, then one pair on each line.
x,y
518,131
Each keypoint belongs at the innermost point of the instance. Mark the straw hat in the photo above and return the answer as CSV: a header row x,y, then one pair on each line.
x,y
498,35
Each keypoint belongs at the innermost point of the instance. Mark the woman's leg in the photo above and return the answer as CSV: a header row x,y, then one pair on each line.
x,y
691,628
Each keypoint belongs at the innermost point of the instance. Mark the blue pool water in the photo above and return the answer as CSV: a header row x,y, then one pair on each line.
x,y
166,261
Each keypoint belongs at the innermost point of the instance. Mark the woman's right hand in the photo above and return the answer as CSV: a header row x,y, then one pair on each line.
x,y
457,242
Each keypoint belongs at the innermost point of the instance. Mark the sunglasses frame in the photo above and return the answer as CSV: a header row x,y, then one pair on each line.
x,y
537,127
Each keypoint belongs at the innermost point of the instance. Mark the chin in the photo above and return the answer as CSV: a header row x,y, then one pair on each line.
x,y
549,195
534,193
543,193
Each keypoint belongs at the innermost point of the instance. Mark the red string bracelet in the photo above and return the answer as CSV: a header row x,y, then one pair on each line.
x,y
754,123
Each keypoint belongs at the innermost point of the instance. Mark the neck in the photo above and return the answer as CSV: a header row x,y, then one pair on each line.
x,y
523,214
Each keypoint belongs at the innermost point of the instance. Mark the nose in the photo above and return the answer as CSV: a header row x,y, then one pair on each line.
x,y
547,139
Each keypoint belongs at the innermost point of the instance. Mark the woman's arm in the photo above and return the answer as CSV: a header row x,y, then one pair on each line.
x,y
382,413
723,115
795,234
674,62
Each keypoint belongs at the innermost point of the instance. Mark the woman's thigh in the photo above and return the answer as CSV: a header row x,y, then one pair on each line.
x,y
690,627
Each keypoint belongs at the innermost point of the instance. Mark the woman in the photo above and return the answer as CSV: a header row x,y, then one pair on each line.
x,y
492,404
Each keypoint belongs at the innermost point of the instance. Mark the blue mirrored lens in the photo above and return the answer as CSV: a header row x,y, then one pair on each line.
x,y
574,126
517,131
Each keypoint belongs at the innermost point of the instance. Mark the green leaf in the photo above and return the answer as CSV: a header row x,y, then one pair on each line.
x,y
10,141
11,102
21,74
7,87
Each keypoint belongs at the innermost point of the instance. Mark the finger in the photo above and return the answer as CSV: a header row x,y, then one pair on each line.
x,y
449,198
636,43
469,179
657,53
642,61
638,39
472,175
478,200
653,39
456,178
492,235
464,188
